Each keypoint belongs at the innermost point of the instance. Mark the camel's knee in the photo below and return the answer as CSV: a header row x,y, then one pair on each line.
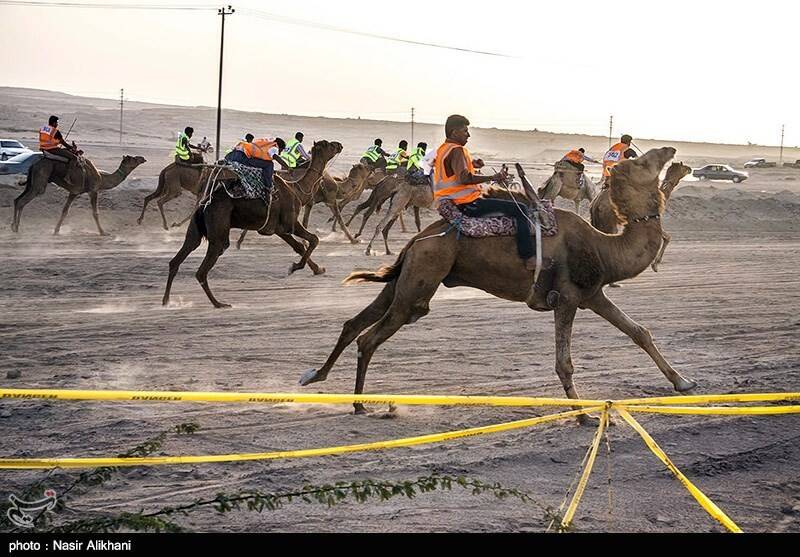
x,y
418,312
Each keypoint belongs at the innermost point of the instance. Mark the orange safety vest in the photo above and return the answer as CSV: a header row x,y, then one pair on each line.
x,y
260,149
47,138
574,156
448,187
245,147
614,156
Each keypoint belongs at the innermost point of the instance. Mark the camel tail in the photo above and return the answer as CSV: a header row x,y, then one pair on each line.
x,y
200,222
387,273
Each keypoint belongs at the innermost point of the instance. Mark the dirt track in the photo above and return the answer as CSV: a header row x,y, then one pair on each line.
x,y
79,311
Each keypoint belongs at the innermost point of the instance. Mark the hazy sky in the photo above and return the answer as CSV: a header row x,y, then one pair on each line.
x,y
693,70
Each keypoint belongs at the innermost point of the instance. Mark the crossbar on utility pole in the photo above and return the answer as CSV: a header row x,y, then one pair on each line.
x,y
223,12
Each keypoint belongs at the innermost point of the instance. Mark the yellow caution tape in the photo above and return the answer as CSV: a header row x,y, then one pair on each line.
x,y
701,498
573,506
713,410
38,463
712,399
297,398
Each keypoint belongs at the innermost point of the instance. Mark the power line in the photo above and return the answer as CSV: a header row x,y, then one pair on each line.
x,y
325,27
106,6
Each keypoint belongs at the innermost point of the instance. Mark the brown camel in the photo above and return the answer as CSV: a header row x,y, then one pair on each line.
x,y
566,182
604,218
417,196
215,218
335,193
84,180
380,194
172,180
581,261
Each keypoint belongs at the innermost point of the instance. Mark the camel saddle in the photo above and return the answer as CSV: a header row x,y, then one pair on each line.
x,y
249,184
501,225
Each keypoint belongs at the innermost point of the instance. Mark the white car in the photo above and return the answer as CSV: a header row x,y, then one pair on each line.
x,y
11,148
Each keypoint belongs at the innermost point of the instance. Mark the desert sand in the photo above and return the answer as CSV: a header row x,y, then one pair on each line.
x,y
79,311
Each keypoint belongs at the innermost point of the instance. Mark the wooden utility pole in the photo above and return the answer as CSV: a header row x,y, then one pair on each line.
x,y
610,129
223,12
413,145
121,103
780,162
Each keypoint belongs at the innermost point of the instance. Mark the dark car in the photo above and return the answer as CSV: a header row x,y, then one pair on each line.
x,y
719,172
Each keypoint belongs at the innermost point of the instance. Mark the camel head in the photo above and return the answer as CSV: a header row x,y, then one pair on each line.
x,y
634,184
325,150
676,172
359,173
129,163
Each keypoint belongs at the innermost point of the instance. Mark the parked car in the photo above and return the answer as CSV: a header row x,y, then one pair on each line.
x,y
10,148
19,164
759,163
795,164
719,172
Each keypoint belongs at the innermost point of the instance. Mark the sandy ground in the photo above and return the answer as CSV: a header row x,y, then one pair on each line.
x,y
80,311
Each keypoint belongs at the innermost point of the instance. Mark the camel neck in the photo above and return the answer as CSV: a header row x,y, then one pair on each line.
x,y
628,254
304,188
113,179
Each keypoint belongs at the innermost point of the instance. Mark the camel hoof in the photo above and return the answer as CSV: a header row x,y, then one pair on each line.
x,y
220,305
320,271
359,410
654,266
614,285
294,267
357,235
686,386
311,376
354,241
139,222
389,252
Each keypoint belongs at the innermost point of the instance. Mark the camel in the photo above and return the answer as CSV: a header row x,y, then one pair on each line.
x,y
335,193
380,194
84,180
565,182
580,259
604,218
220,213
418,196
171,181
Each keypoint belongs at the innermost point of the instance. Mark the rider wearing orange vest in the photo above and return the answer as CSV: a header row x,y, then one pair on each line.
x,y
576,158
616,155
454,179
51,140
258,153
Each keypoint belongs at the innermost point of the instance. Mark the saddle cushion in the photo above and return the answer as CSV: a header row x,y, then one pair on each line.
x,y
53,157
483,227
249,185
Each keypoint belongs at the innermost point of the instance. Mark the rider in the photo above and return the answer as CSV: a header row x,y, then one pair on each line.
x,y
398,158
295,155
258,153
182,146
416,156
371,155
454,179
51,140
618,153
576,157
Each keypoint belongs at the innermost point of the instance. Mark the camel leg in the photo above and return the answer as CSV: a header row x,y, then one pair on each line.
x,y
564,318
240,241
578,207
395,209
665,239
28,194
313,242
359,208
417,220
306,215
300,250
190,243
337,217
351,329
606,309
219,229
364,220
386,233
147,200
402,223
407,307
70,198
96,213
163,200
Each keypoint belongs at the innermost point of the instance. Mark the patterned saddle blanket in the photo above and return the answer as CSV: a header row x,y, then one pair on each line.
x,y
249,185
483,227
